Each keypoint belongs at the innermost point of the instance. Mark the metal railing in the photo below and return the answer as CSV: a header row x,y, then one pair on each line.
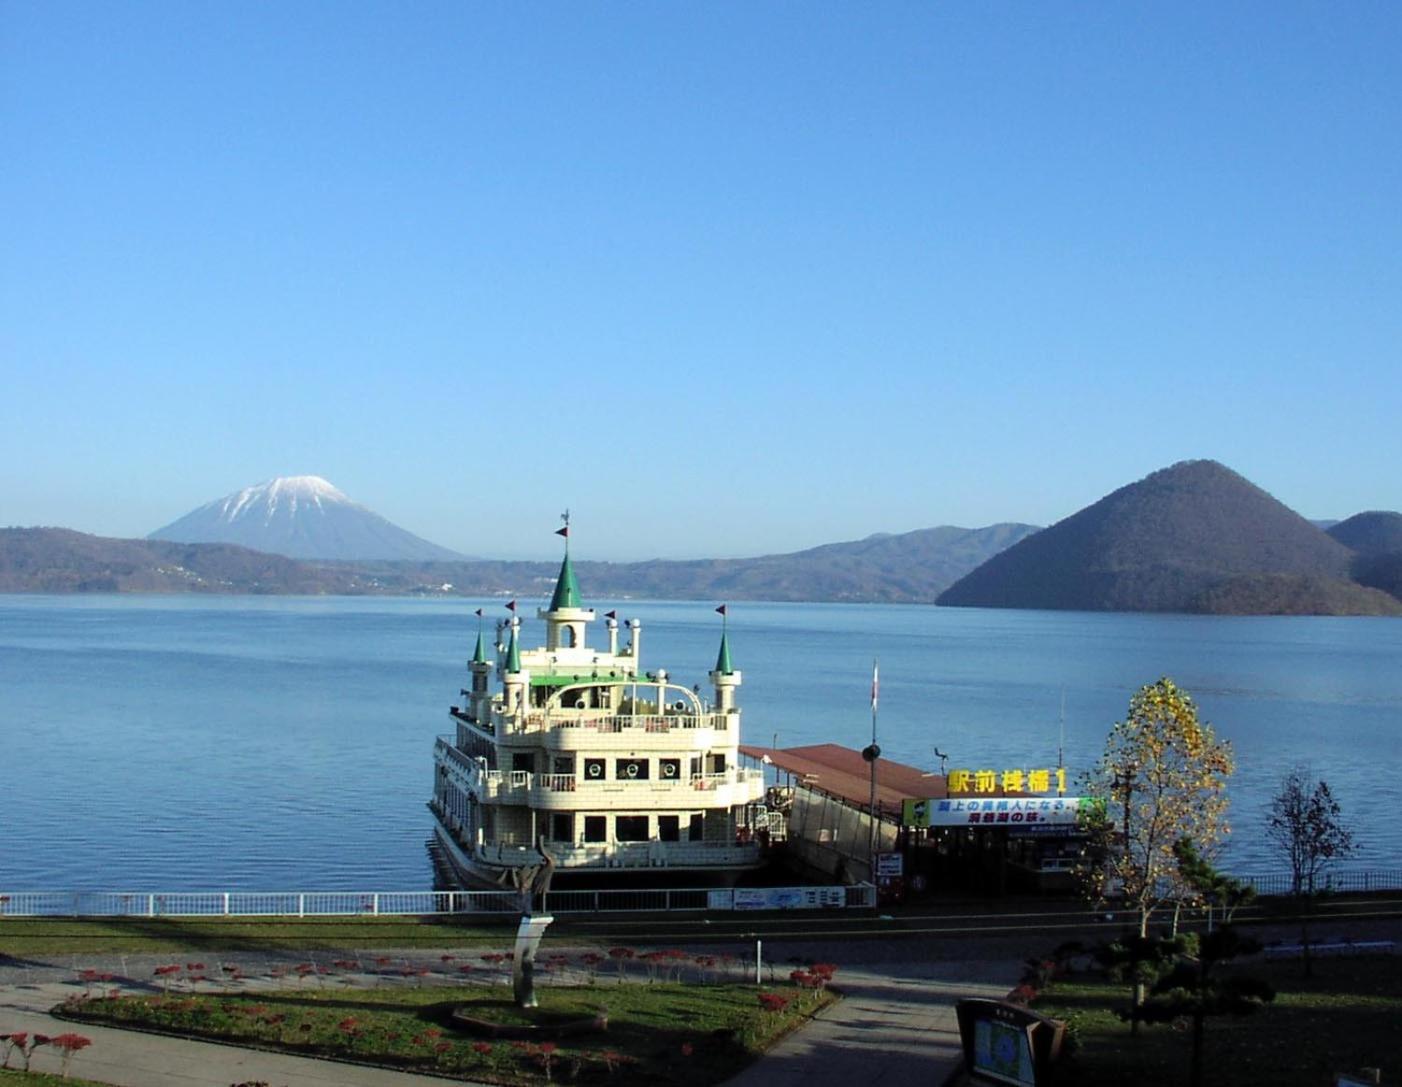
x,y
396,903
495,783
1343,881
619,722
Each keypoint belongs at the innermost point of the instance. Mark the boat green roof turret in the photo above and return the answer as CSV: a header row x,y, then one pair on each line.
x,y
513,653
566,587
723,665
479,655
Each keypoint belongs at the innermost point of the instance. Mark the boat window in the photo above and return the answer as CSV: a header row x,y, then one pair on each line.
x,y
562,826
669,828
523,761
594,769
631,770
631,828
669,769
596,828
695,832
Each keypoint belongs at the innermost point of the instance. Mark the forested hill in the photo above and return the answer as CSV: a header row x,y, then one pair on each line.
x,y
1192,537
912,567
1377,532
59,560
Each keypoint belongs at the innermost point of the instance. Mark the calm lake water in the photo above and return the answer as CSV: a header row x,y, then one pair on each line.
x,y
192,743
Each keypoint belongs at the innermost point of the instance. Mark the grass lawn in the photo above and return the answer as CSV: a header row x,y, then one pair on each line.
x,y
1348,1016
9,1078
22,937
660,1032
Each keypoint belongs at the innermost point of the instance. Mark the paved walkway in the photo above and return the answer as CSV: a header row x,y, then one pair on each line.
x,y
895,1025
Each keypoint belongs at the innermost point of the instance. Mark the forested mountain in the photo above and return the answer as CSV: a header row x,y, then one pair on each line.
x,y
1377,532
1192,537
912,567
58,560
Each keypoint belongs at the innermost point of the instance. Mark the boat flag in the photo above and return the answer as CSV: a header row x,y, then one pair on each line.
x,y
875,686
479,613
610,615
721,610
511,607
565,532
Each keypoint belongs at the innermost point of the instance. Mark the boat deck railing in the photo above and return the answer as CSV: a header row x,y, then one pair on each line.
x,y
519,784
616,722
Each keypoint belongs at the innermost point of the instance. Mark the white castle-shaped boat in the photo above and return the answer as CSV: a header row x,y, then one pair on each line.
x,y
579,753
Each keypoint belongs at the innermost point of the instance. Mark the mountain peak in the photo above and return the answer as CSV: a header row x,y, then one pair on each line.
x,y
266,498
303,517
1155,545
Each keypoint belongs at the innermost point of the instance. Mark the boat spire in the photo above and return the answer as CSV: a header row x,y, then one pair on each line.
x,y
723,665
513,652
566,585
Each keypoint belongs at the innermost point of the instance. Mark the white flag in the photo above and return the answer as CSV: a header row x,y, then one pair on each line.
x,y
875,686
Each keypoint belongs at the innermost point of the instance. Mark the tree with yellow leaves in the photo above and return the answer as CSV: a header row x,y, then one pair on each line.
x,y
1164,779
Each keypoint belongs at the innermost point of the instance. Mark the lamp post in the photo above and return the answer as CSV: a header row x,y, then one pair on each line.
x,y
871,754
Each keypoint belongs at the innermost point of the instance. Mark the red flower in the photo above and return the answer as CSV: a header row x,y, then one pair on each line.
x,y
687,1049
482,1047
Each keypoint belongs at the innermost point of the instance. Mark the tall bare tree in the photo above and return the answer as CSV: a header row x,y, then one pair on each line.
x,y
1307,827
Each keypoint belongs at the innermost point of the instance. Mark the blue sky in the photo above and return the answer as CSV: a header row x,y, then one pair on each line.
x,y
722,278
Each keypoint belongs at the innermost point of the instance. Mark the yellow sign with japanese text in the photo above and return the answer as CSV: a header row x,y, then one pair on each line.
x,y
1007,781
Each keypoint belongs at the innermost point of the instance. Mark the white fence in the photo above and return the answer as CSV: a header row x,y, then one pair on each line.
x,y
401,903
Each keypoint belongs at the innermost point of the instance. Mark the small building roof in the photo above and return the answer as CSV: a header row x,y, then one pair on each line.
x,y
843,773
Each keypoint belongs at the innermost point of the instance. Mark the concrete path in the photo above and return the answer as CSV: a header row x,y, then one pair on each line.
x,y
895,1025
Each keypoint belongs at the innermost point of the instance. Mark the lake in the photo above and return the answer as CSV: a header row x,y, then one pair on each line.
x,y
154,743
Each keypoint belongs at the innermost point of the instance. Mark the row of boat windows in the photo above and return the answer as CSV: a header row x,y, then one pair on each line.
x,y
595,828
627,828
625,769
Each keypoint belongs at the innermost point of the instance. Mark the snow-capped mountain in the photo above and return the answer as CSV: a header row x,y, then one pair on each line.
x,y
303,517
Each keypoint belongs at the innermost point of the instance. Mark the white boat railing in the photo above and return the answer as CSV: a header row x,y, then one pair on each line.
x,y
506,784
617,722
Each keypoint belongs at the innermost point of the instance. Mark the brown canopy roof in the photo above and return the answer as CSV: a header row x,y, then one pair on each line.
x,y
843,773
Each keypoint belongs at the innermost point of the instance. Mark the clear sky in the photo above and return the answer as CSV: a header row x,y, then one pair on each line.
x,y
722,278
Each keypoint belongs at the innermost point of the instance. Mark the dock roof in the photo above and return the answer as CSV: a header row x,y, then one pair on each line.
x,y
841,772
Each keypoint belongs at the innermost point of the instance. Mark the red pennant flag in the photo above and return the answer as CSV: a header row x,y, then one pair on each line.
x,y
720,610
511,607
610,615
565,532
